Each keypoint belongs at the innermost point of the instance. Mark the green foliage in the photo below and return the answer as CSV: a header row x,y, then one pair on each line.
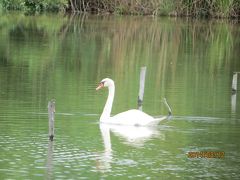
x,y
12,4
194,8
34,5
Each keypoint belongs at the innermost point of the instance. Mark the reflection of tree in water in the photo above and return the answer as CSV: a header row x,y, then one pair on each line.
x,y
27,32
4,61
74,45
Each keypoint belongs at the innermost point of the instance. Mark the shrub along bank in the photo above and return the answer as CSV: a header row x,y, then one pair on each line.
x,y
193,8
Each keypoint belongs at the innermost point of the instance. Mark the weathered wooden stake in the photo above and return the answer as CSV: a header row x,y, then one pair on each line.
x,y
234,81
51,114
141,87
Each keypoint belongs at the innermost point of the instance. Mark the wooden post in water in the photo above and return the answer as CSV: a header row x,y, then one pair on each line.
x,y
141,87
234,92
234,81
51,114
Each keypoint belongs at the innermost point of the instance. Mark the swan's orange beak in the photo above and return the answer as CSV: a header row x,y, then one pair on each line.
x,y
100,86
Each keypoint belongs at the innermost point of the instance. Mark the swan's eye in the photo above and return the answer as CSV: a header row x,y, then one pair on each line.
x,y
102,82
101,85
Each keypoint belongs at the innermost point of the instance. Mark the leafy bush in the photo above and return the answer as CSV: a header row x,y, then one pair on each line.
x,y
34,5
12,4
194,8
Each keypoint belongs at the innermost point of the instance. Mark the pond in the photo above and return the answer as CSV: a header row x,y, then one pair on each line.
x,y
64,57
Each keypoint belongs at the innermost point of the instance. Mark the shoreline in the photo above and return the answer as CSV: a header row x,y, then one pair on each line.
x,y
191,9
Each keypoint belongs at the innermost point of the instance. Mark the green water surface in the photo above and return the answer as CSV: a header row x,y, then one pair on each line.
x,y
190,62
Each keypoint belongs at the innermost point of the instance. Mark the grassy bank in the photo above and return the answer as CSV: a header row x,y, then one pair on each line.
x,y
193,8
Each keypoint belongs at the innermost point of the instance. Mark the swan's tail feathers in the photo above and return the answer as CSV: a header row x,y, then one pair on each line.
x,y
168,107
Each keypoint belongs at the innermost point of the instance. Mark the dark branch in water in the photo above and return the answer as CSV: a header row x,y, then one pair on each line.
x,y
168,107
51,114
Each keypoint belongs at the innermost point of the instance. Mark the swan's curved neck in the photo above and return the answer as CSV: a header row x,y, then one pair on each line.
x,y
108,106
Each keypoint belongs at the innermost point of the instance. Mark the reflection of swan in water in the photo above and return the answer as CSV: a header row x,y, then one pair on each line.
x,y
104,162
134,135
131,135
131,117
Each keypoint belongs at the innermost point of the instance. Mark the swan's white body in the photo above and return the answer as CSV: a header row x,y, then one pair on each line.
x,y
132,117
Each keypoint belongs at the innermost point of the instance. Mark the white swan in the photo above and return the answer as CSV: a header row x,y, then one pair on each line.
x,y
131,117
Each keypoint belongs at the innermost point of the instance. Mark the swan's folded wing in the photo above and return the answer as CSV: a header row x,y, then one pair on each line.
x,y
132,118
